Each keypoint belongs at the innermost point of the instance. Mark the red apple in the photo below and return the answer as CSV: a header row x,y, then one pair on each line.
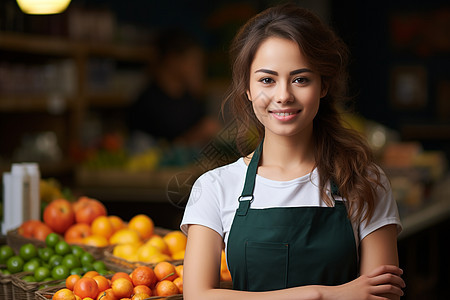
x,y
59,215
87,209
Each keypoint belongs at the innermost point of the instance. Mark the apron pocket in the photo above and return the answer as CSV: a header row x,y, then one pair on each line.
x,y
263,259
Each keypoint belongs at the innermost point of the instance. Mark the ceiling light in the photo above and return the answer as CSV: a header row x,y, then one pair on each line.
x,y
43,7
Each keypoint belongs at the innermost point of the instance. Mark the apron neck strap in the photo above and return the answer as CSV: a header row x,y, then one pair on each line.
x,y
247,193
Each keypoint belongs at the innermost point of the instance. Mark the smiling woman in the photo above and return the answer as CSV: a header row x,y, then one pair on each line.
x,y
284,91
307,214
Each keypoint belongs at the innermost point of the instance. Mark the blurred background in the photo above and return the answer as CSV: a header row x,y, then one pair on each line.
x,y
120,101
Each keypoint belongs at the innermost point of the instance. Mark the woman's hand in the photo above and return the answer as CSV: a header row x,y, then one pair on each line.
x,y
383,283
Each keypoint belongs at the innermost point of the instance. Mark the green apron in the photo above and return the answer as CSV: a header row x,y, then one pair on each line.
x,y
282,247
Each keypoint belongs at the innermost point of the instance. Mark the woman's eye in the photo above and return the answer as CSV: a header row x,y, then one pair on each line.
x,y
301,80
266,80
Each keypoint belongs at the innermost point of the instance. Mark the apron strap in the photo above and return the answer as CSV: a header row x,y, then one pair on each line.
x,y
334,188
247,193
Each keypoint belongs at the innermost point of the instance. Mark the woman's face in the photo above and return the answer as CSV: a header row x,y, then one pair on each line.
x,y
284,89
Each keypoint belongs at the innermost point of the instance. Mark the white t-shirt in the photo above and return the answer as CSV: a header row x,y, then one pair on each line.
x,y
214,199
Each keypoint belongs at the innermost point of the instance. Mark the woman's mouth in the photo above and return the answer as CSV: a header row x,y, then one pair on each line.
x,y
284,115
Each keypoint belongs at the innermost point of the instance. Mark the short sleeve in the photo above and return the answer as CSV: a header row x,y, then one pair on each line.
x,y
385,211
203,206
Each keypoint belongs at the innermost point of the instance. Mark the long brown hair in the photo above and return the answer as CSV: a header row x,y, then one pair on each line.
x,y
342,155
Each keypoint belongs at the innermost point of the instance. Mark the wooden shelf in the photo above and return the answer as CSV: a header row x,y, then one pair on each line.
x,y
426,131
107,100
27,103
65,47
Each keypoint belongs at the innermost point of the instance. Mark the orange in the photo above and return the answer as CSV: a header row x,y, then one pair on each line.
x,y
142,224
64,294
143,275
116,222
126,251
176,241
158,242
86,287
225,274
140,296
125,236
142,289
102,282
102,226
178,255
179,283
122,288
96,241
71,280
107,295
146,252
179,270
159,257
91,274
165,271
118,275
166,288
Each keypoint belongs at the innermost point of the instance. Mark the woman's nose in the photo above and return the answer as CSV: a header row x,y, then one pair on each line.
x,y
284,94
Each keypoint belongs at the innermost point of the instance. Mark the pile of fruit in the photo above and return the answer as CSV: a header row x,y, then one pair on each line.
x,y
165,279
56,261
167,247
60,215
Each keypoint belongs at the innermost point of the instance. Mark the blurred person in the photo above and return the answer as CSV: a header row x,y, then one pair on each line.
x,y
172,107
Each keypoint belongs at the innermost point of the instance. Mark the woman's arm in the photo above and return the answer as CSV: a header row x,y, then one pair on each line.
x,y
202,277
379,248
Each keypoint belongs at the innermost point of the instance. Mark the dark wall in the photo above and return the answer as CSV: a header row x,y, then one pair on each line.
x,y
400,34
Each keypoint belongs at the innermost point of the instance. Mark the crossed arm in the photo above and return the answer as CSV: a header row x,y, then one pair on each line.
x,y
379,280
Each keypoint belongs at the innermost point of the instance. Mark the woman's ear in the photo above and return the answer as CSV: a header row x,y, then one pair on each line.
x,y
324,90
248,95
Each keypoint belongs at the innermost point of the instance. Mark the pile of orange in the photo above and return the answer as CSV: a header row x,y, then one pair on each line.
x,y
105,230
156,248
165,279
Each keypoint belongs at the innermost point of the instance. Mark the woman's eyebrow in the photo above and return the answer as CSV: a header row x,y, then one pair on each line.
x,y
294,72
298,71
267,71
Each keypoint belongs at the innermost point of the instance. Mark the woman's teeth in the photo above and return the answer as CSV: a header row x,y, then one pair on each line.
x,y
284,114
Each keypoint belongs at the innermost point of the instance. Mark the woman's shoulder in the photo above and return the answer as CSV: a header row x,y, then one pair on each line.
x,y
229,171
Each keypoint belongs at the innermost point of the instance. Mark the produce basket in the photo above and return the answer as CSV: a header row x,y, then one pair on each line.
x,y
5,280
97,252
23,290
16,240
6,289
111,265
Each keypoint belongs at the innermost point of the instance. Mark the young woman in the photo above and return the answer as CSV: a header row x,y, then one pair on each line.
x,y
308,214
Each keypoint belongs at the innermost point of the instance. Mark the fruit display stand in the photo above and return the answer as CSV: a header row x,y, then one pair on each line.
x,y
24,290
